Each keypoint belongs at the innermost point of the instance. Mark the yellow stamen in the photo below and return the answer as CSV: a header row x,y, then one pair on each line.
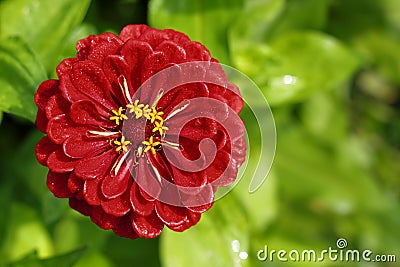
x,y
155,115
119,116
123,144
146,112
150,145
136,108
160,127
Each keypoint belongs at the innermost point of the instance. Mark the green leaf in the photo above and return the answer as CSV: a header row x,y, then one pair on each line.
x,y
32,175
296,65
122,250
348,19
318,202
218,238
205,21
373,31
382,49
391,9
65,260
261,206
324,173
93,258
296,16
21,73
6,190
331,117
263,20
66,235
44,24
255,23
25,233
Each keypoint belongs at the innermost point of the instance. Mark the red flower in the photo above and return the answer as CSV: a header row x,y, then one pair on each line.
x,y
129,153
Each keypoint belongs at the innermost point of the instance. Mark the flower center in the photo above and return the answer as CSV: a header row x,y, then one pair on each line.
x,y
138,127
143,126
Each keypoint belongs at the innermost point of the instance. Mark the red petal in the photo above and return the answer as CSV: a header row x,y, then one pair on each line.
x,y
45,91
56,106
118,206
161,163
177,37
96,167
203,113
69,91
134,53
198,129
61,127
186,178
139,204
170,215
82,146
58,184
152,64
173,52
91,191
80,206
102,219
147,226
197,123
220,138
89,79
191,220
65,66
43,149
187,172
197,52
75,184
175,97
115,185
95,48
201,201
229,95
58,162
115,66
147,180
154,37
124,227
132,31
218,168
236,157
86,112
239,151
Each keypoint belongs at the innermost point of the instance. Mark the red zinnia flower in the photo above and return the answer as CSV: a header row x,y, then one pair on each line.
x,y
130,153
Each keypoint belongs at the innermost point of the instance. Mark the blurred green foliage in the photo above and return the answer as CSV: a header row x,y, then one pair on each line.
x,y
330,70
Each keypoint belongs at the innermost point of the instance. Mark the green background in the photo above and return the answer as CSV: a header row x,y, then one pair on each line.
x,y
336,170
